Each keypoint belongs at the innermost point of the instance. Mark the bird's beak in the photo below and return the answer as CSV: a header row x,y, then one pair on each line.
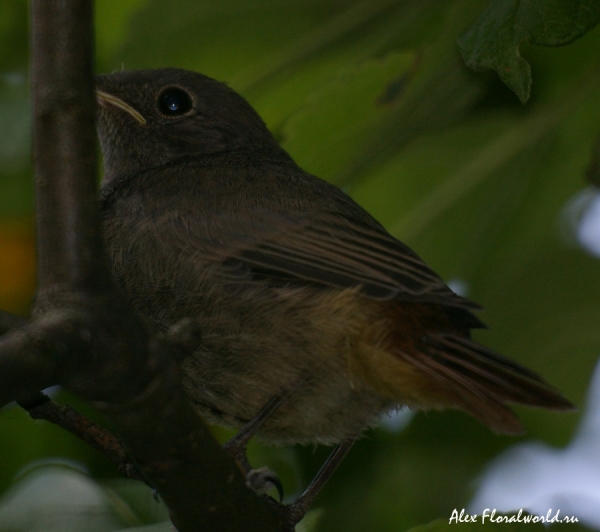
x,y
105,98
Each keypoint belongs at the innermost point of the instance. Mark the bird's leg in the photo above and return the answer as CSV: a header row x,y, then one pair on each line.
x,y
296,510
236,446
263,479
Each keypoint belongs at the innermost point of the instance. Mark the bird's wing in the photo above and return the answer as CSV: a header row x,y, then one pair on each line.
x,y
333,250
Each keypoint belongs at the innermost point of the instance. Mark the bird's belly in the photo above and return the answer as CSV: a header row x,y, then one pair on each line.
x,y
297,341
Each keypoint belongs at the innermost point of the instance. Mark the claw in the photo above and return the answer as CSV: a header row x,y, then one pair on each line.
x,y
263,480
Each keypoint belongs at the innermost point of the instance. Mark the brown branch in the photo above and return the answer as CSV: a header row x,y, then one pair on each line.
x,y
40,406
24,366
68,230
94,435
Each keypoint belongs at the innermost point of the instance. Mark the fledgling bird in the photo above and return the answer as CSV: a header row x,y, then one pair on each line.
x,y
295,288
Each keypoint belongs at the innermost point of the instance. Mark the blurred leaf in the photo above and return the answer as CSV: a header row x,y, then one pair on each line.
x,y
16,194
172,35
112,25
493,42
15,126
57,499
14,36
136,502
310,521
353,104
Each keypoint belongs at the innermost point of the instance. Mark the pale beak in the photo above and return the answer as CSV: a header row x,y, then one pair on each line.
x,y
105,98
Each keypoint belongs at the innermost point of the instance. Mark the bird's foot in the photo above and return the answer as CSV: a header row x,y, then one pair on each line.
x,y
263,480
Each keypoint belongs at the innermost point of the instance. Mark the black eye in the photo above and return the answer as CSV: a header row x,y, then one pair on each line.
x,y
174,102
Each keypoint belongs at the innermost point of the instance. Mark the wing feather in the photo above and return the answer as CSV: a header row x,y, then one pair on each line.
x,y
341,252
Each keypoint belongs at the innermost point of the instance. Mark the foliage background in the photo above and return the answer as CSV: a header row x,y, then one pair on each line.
x,y
372,96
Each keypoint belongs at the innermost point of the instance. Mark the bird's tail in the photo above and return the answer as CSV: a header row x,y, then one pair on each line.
x,y
445,370
481,381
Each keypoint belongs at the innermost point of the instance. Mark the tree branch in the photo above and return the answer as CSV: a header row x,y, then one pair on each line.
x,y
68,230
81,426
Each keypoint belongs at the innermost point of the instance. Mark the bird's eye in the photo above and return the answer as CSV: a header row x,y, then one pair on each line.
x,y
174,102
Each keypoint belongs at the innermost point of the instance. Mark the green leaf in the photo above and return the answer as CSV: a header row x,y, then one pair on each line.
x,y
112,21
15,128
13,34
352,101
493,41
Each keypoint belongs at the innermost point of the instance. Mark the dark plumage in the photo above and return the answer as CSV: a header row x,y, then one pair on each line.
x,y
293,285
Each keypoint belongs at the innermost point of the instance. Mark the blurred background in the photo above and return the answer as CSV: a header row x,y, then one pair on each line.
x,y
498,197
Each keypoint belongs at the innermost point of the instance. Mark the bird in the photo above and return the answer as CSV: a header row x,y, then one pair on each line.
x,y
296,290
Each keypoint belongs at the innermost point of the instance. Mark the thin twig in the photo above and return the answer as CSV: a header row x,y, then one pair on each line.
x,y
66,417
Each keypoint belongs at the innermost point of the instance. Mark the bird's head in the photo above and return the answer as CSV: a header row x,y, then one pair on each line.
x,y
149,118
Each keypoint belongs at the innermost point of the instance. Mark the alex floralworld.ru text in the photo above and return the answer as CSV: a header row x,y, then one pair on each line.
x,y
520,517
